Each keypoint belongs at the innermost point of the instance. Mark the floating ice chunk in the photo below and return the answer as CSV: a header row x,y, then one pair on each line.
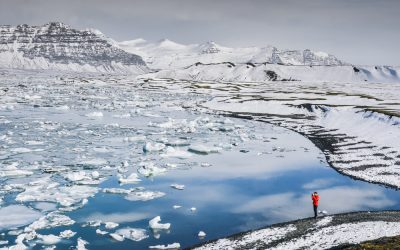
x,y
170,246
101,232
226,128
177,206
202,234
117,237
132,178
45,190
152,147
111,225
178,143
116,190
144,195
95,162
94,114
324,212
122,115
94,223
203,149
135,138
50,239
135,234
20,150
53,219
155,225
76,176
95,175
178,186
169,124
15,172
176,153
63,107
3,242
193,209
81,244
67,234
34,143
17,215
148,169
101,149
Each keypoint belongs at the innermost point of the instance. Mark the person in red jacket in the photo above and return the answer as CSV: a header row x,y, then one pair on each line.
x,y
315,200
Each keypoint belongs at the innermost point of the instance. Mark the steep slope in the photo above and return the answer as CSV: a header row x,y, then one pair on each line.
x,y
166,54
57,46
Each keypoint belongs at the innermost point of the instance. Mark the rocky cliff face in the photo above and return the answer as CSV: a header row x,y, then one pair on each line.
x,y
56,45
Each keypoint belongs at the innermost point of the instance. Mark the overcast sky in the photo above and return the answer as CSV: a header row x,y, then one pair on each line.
x,y
356,31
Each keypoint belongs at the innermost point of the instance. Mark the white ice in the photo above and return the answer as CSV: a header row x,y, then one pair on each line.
x,y
135,234
156,225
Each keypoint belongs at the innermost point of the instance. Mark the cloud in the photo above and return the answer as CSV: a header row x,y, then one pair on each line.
x,y
17,215
320,183
117,217
288,206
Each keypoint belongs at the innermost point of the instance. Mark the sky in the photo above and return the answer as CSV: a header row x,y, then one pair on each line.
x,y
356,31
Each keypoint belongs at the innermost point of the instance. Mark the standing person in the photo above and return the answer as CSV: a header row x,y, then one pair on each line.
x,y
315,200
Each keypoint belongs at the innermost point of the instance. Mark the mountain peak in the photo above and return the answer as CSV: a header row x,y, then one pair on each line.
x,y
209,47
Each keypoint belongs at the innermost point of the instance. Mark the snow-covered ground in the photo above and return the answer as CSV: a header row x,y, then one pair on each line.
x,y
322,233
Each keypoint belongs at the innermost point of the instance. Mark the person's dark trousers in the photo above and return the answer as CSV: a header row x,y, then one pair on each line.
x,y
315,211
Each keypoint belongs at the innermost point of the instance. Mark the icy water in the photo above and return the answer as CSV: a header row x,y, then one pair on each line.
x,y
78,154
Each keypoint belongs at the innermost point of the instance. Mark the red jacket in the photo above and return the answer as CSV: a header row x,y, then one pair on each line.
x,y
315,199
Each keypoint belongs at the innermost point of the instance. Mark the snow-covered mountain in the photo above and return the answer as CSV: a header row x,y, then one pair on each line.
x,y
167,54
213,62
57,46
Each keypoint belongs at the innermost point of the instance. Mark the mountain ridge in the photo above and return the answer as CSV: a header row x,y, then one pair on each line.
x,y
56,45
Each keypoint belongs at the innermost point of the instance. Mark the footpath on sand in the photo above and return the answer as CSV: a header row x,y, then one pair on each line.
x,y
333,231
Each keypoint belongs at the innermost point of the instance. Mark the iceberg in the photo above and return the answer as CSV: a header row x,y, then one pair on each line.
x,y
156,225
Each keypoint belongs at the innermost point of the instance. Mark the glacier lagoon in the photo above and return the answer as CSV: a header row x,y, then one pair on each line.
x,y
100,150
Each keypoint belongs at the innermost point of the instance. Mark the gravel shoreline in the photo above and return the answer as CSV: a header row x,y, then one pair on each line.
x,y
303,227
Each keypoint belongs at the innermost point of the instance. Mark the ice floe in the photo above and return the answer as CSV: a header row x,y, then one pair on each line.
x,y
135,234
95,114
117,237
53,219
67,234
111,225
49,239
178,186
144,195
176,153
132,178
81,244
156,225
204,149
152,147
201,234
101,232
149,169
